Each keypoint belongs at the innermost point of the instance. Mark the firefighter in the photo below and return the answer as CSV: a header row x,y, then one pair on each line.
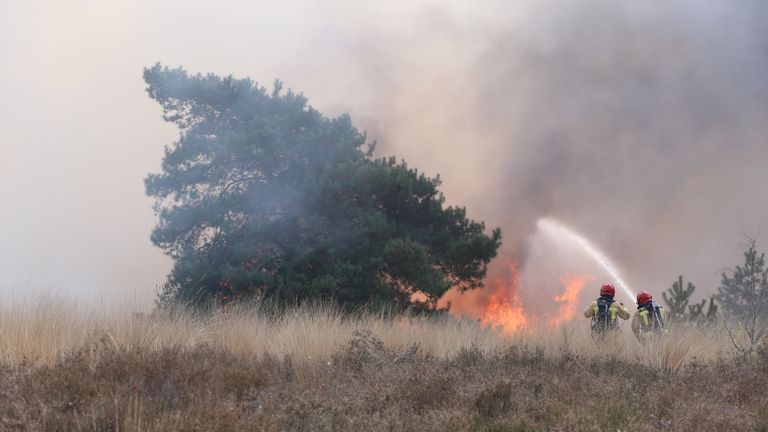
x,y
649,317
605,310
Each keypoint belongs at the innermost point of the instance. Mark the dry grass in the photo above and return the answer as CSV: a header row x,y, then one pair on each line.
x,y
314,368
683,344
46,331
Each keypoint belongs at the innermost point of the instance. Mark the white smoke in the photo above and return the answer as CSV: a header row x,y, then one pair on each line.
x,y
640,123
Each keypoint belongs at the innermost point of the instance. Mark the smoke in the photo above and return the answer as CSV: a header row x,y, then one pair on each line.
x,y
640,124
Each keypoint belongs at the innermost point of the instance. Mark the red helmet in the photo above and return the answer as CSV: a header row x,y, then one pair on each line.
x,y
607,290
643,297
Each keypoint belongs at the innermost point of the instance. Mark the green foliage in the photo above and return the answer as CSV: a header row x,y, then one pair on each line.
x,y
743,293
262,195
677,299
696,311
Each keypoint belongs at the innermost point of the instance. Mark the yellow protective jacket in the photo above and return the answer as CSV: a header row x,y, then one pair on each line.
x,y
641,320
615,310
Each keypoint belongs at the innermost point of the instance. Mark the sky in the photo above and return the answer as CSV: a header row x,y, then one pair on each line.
x,y
640,124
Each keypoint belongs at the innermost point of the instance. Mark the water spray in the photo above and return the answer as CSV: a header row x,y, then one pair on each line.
x,y
556,229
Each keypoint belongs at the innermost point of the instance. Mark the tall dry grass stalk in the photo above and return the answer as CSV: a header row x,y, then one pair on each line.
x,y
681,344
44,331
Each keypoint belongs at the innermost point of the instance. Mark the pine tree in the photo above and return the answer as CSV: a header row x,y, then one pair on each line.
x,y
263,196
696,312
678,298
743,293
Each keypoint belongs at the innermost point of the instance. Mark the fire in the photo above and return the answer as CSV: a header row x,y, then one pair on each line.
x,y
568,300
503,304
497,305
504,309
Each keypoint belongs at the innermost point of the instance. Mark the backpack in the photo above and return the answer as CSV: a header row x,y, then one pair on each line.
x,y
655,318
601,321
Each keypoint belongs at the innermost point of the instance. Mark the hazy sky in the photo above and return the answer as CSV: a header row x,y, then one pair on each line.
x,y
642,124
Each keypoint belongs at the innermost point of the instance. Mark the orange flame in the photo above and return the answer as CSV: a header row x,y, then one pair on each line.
x,y
569,299
505,310
500,305
497,305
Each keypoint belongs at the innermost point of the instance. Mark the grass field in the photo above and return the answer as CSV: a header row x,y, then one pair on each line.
x,y
314,368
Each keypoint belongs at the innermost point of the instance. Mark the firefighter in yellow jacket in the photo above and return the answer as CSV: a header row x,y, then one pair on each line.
x,y
605,310
649,317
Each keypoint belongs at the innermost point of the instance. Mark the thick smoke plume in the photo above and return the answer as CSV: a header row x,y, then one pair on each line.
x,y
641,124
